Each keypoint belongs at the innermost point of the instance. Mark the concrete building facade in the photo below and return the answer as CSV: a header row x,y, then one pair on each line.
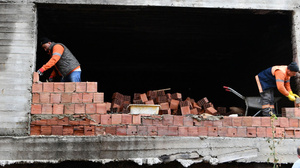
x,y
18,56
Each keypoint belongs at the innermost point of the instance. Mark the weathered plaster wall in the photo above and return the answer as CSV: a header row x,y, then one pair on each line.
x,y
17,61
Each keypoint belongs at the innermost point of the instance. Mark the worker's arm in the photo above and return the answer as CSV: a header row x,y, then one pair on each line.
x,y
57,53
282,87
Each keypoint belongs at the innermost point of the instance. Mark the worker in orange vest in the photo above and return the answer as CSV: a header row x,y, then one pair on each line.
x,y
67,66
276,76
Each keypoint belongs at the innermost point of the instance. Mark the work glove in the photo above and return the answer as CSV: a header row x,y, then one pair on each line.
x,y
40,73
291,92
291,97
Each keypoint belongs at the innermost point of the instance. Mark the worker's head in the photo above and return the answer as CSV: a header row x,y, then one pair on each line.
x,y
292,69
45,43
298,151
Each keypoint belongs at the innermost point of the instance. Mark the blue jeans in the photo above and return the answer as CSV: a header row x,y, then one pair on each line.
x,y
73,77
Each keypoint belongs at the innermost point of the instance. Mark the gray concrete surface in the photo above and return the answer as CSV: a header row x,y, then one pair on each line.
x,y
142,150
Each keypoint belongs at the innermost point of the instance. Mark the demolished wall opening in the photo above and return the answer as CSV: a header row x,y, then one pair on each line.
x,y
194,51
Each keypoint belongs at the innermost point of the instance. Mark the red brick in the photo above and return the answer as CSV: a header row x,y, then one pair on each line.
x,y
212,131
87,97
143,97
275,122
194,111
297,112
168,119
84,121
79,130
293,122
237,121
55,98
142,130
126,119
197,122
265,121
90,108
35,98
77,98
132,130
91,86
46,130
58,109
222,131
251,131
162,130
152,131
100,130
99,97
57,130
69,86
247,121
37,87
63,121
182,131
52,121
297,133
79,108
95,119
207,123
289,133
89,130
283,122
173,131
157,120
58,87
121,130
174,104
178,120
147,121
188,121
231,132
164,106
116,118
101,108
80,86
106,119
47,109
241,132
35,130
185,110
217,123
211,110
39,122
66,97
279,132
68,130
256,121
227,121
202,131
35,77
36,109
44,97
48,87
136,119
69,109
192,131
261,131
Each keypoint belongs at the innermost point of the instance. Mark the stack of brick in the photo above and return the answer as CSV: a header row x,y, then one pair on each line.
x,y
120,103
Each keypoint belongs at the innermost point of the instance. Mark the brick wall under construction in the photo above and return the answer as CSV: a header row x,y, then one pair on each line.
x,y
78,109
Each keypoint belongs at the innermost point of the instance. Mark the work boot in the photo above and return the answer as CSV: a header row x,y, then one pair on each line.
x,y
266,112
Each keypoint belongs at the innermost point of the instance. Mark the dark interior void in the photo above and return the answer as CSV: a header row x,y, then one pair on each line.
x,y
195,51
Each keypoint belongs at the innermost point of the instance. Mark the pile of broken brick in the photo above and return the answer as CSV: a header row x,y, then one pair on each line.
x,y
170,103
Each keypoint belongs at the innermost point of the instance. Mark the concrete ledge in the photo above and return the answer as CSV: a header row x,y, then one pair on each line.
x,y
142,150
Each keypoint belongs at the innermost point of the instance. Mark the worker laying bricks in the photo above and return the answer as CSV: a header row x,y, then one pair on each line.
x,y
67,66
276,76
